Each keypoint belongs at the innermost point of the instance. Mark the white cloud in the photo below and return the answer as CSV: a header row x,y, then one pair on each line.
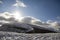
x,y
36,21
49,22
19,4
3,21
30,20
11,18
7,17
1,2
26,20
55,24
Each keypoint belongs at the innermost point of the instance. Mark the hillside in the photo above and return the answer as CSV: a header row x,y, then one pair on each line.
x,y
24,32
26,28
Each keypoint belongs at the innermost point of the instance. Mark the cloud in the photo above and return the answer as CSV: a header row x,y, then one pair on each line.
x,y
3,21
7,17
34,21
1,2
26,19
49,22
30,20
55,24
19,4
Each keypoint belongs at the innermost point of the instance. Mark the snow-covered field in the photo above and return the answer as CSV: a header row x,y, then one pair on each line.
x,y
14,32
24,36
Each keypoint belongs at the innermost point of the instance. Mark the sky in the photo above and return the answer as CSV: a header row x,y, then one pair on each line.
x,y
41,9
41,12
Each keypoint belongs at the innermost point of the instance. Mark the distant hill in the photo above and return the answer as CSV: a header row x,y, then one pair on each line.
x,y
26,28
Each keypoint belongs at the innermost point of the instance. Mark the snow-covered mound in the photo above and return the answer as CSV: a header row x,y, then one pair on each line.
x,y
26,28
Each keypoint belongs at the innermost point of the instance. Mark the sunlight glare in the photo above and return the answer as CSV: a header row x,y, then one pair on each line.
x,y
17,15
